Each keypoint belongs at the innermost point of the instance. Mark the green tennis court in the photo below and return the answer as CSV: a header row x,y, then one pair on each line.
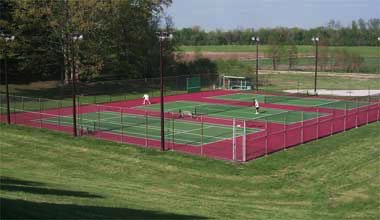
x,y
293,100
238,112
141,126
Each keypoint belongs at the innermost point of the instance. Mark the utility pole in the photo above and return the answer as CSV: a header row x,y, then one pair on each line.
x,y
257,40
7,38
316,40
162,36
75,39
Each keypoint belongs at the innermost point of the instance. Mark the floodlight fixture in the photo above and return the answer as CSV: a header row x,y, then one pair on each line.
x,y
315,39
256,39
77,37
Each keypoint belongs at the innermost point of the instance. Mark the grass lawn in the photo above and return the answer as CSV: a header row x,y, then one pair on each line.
x,y
52,175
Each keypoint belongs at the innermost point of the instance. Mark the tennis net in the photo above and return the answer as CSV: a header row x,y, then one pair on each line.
x,y
118,126
281,98
214,108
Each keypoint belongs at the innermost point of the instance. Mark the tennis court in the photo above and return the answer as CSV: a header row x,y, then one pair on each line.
x,y
238,112
292,100
179,131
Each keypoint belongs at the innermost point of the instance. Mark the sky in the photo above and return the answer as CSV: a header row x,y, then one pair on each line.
x,y
231,14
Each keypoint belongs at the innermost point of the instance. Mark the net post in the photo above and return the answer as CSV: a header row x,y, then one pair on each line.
x,y
244,150
233,140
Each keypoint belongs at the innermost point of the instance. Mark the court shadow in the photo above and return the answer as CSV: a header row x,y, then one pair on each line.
x,y
20,209
16,185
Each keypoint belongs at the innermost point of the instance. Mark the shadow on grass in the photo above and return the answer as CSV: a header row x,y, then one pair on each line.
x,y
20,209
16,185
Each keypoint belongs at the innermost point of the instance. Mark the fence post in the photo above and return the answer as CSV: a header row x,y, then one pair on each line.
x,y
146,128
22,102
332,122
285,125
302,126
39,99
98,124
201,135
122,125
317,130
368,108
345,117
266,136
357,113
233,140
173,131
244,150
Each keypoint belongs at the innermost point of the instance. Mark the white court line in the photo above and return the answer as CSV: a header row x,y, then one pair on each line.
x,y
144,126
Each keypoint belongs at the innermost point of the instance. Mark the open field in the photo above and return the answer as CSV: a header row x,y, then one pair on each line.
x,y
365,51
52,175
241,58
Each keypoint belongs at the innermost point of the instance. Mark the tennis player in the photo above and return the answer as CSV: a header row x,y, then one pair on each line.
x,y
257,106
146,99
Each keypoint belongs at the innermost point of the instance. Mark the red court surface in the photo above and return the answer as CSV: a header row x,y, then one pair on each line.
x,y
272,137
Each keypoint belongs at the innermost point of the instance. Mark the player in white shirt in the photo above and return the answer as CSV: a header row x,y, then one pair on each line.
x,y
146,99
257,106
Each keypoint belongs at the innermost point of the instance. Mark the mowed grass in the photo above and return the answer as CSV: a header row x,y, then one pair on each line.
x,y
52,175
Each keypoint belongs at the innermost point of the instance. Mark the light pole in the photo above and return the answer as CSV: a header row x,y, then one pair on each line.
x,y
7,38
75,38
257,40
162,37
315,40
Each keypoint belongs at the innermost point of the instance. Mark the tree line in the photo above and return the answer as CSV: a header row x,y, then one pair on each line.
x,y
119,38
359,33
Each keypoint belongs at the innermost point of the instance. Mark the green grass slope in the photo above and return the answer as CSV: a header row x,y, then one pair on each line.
x,y
52,175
